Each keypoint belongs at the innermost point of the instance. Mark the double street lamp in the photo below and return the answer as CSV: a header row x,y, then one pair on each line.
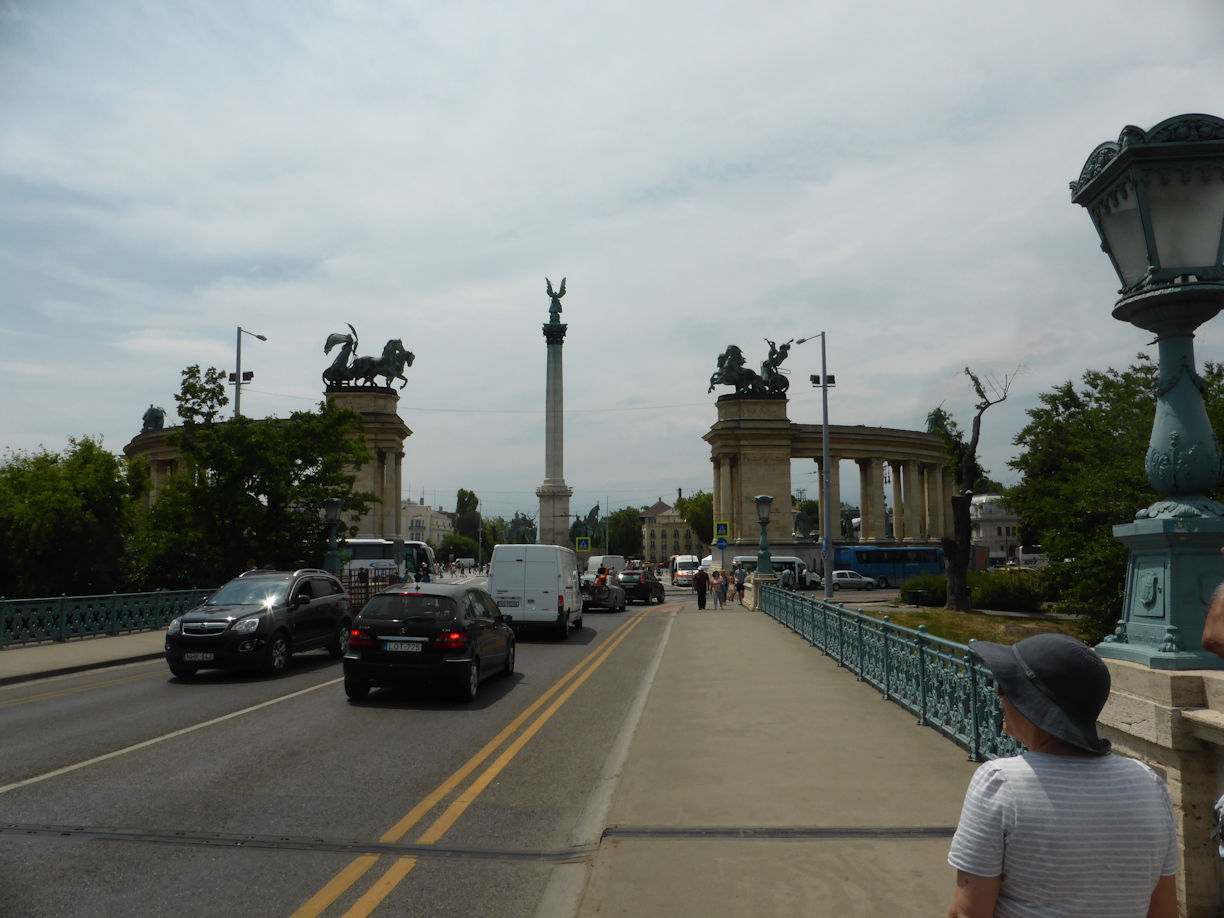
x,y
238,378
826,489
1156,199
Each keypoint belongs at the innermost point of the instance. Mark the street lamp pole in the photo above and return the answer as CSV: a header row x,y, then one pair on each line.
x,y
1156,199
237,378
764,559
826,487
331,510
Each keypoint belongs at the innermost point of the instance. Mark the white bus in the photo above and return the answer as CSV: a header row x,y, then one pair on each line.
x,y
379,555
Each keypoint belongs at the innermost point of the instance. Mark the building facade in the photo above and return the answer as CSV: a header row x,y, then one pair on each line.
x,y
665,533
423,523
995,529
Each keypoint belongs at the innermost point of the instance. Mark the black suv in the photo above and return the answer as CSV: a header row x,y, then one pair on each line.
x,y
258,620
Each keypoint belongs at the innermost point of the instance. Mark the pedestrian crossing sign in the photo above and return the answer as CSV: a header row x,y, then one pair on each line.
x,y
722,530
582,543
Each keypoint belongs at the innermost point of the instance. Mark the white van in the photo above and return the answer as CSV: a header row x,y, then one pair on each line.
x,y
804,578
613,563
683,567
537,585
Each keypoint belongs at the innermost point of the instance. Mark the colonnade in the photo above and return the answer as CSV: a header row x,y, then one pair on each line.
x,y
920,499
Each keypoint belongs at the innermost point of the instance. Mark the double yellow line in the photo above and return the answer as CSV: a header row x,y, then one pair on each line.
x,y
400,867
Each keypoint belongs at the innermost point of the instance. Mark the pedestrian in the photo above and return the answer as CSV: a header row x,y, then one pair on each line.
x,y
423,576
740,576
716,583
788,579
1066,828
701,582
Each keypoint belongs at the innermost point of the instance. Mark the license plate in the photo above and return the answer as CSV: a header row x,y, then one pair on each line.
x,y
197,657
508,602
401,646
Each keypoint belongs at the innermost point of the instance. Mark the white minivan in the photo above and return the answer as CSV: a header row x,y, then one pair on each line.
x,y
537,585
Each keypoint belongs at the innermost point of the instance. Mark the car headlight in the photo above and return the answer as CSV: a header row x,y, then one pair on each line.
x,y
175,627
245,625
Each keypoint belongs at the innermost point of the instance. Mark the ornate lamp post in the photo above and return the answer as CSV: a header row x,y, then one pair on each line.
x,y
331,510
764,561
1157,200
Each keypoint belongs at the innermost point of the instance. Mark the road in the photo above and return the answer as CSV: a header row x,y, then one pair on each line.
x,y
127,792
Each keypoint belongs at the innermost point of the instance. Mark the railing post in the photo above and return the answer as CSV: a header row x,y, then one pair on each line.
x,y
887,630
841,639
61,617
858,632
975,732
4,607
112,613
922,675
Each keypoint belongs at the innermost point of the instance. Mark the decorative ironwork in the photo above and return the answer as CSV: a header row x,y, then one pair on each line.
x,y
28,621
946,687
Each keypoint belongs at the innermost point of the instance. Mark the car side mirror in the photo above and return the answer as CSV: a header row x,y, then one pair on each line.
x,y
301,600
507,619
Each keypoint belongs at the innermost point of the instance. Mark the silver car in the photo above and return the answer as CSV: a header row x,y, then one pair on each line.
x,y
851,580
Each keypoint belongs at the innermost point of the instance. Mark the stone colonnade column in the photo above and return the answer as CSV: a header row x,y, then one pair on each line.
x,y
871,491
912,509
834,497
898,501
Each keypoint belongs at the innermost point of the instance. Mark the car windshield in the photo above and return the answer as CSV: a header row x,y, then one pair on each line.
x,y
251,591
400,606
687,565
630,578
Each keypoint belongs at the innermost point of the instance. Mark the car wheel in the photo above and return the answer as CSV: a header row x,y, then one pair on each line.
x,y
585,606
624,602
356,689
183,670
339,645
277,659
882,583
562,630
836,587
470,683
508,666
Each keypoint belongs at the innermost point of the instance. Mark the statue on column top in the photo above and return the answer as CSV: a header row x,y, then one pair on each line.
x,y
554,308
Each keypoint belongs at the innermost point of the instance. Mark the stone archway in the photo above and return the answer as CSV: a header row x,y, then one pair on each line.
x,y
751,447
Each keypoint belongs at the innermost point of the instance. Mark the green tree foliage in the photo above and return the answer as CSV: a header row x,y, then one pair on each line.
x,y
65,519
455,546
1082,461
467,514
247,489
625,533
698,512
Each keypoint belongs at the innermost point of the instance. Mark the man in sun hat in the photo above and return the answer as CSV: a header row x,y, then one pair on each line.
x,y
1066,828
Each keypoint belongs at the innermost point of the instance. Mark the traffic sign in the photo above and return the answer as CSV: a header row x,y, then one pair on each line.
x,y
722,531
582,543
824,554
721,543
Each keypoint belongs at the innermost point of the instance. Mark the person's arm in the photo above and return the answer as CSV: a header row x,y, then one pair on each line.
x,y
1164,898
1213,626
975,896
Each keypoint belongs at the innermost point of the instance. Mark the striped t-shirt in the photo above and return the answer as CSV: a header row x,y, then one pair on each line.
x,y
1071,836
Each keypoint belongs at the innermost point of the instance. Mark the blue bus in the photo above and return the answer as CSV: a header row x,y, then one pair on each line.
x,y
889,566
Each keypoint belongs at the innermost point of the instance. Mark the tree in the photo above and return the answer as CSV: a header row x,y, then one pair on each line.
x,y
1082,459
247,489
467,514
625,533
966,473
698,512
65,520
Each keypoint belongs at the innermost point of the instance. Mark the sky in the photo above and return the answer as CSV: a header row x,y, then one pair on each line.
x,y
890,173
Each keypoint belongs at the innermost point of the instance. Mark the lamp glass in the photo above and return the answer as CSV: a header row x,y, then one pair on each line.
x,y
331,509
1187,214
1123,231
762,507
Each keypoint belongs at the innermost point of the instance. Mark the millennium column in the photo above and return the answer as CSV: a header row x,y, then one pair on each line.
x,y
554,494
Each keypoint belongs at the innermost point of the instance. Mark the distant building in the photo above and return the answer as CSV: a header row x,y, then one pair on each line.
x,y
665,533
425,524
995,528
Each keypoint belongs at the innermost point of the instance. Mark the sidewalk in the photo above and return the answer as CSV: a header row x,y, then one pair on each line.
x,y
764,780
19,663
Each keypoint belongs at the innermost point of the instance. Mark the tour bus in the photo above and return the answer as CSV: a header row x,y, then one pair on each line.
x,y
378,557
889,566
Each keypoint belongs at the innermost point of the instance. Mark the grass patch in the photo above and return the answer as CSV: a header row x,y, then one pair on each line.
x,y
962,627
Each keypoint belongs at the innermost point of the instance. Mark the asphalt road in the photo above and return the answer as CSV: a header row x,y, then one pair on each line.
x,y
127,792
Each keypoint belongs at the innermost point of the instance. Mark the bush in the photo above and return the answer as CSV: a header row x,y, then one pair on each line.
x,y
934,585
1005,591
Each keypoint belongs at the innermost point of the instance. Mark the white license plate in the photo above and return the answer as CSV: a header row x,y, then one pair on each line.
x,y
508,602
197,657
401,646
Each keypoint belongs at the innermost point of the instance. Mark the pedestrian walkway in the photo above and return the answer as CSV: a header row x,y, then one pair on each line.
x,y
19,663
765,780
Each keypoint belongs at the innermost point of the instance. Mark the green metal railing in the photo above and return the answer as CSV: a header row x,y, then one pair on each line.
x,y
939,681
28,621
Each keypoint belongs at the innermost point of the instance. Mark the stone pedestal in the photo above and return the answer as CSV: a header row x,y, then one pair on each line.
x,y
753,585
753,438
385,433
1174,721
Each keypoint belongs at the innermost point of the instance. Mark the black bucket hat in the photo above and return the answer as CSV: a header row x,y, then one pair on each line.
x,y
1059,684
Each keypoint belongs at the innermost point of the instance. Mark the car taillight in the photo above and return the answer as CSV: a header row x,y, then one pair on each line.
x,y
451,640
360,639
560,604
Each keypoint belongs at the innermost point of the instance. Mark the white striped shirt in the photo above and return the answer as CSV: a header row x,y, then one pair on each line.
x,y
1072,837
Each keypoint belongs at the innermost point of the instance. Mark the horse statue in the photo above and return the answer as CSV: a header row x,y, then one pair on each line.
x,y
733,372
395,357
339,372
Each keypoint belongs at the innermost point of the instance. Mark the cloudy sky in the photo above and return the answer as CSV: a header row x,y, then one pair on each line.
x,y
889,172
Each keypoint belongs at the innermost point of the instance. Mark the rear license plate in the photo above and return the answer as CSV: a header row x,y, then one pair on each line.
x,y
197,657
508,602
401,646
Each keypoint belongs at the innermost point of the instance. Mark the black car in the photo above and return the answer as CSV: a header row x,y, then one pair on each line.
x,y
641,586
428,632
259,620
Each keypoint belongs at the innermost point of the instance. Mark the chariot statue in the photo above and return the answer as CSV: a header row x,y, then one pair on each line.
x,y
350,370
154,419
732,371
